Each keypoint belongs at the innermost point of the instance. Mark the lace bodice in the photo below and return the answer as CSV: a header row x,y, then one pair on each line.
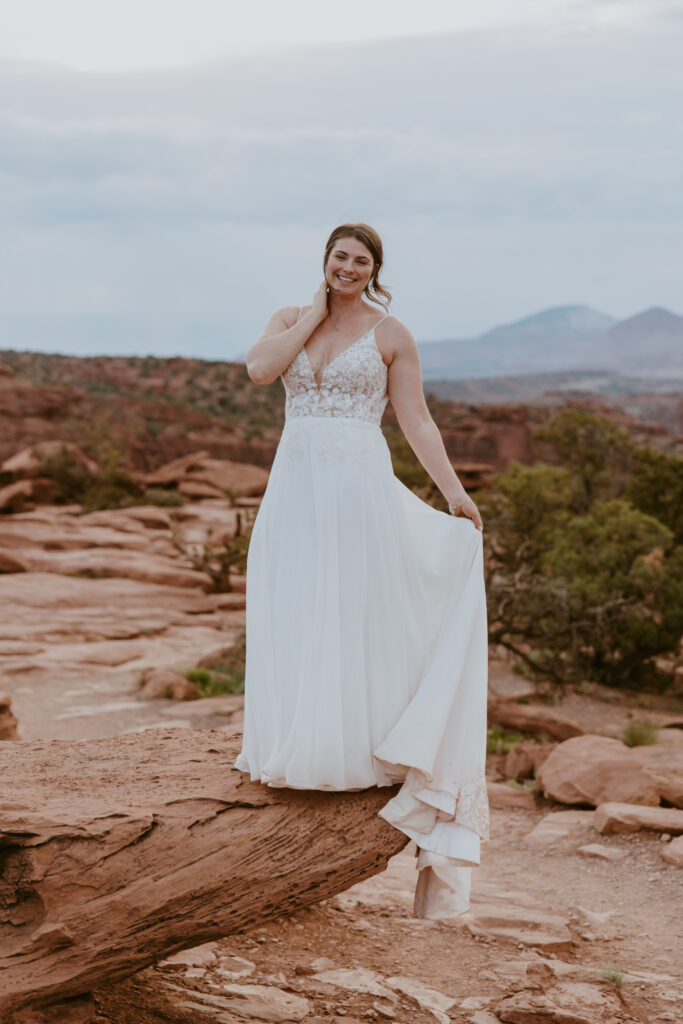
x,y
354,384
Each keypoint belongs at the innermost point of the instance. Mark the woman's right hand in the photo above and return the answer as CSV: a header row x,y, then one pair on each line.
x,y
319,307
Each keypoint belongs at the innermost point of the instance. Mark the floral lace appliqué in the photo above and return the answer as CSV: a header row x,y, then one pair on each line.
x,y
472,807
354,385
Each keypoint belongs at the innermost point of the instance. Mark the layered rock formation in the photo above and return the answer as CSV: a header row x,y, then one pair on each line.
x,y
120,851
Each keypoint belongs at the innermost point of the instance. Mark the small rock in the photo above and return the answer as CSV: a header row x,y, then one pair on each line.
x,y
502,796
426,998
163,682
385,1010
673,852
199,956
611,853
234,967
475,1002
356,979
265,1002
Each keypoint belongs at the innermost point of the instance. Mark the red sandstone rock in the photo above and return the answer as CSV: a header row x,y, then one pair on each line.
x,y
503,796
672,853
594,770
538,719
189,487
8,563
524,760
622,817
119,852
23,494
663,760
163,682
26,463
173,471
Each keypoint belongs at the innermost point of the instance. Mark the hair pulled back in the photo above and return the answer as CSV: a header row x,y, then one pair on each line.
x,y
374,291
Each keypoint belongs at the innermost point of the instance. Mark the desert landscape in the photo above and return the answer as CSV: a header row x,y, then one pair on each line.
x,y
139,883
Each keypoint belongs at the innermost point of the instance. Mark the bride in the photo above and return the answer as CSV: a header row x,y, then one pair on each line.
x,y
366,612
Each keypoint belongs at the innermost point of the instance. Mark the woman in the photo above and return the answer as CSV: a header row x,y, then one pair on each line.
x,y
366,614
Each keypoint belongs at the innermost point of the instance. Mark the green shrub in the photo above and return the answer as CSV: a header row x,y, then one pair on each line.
x,y
498,742
225,674
640,733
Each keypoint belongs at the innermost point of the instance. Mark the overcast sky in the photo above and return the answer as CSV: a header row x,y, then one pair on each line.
x,y
170,170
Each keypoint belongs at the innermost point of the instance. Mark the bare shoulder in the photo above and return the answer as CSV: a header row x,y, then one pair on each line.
x,y
394,339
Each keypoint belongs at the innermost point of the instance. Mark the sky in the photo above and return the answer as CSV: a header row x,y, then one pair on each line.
x,y
170,169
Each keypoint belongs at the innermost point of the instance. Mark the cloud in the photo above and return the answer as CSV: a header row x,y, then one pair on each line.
x,y
162,191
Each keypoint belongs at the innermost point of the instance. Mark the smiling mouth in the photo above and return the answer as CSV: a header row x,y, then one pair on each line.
x,y
349,279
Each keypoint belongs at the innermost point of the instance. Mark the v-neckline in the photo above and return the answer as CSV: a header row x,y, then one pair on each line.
x,y
338,356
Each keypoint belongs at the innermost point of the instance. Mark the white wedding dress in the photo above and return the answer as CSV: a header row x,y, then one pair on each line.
x,y
366,628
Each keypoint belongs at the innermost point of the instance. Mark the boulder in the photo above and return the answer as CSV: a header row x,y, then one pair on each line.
x,y
537,719
119,852
622,817
594,770
672,853
524,760
663,761
8,723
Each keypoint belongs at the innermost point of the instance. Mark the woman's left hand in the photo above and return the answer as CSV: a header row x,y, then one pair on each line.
x,y
468,510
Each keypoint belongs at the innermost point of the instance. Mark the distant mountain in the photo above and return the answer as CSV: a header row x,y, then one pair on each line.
x,y
651,342
567,338
554,339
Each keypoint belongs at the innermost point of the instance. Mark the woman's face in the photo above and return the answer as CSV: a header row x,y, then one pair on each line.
x,y
349,267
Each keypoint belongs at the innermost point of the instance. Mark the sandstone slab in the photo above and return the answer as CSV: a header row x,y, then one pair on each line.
x,y
537,719
622,817
594,770
560,826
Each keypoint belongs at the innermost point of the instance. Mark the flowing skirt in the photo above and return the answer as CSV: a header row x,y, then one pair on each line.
x,y
367,647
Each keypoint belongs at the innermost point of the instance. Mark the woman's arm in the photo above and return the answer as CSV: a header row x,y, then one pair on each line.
x,y
423,435
282,338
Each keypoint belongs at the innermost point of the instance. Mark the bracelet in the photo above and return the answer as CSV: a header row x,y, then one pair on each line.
x,y
455,508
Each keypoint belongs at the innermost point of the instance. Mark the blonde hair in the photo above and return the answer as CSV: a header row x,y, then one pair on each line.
x,y
374,291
